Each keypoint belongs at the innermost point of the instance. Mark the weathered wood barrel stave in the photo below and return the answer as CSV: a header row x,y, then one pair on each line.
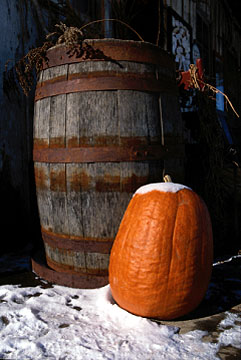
x,y
97,138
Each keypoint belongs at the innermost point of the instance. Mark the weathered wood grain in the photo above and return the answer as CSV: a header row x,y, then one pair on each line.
x,y
41,123
57,121
44,196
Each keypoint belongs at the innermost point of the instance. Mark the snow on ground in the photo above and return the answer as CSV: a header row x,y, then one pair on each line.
x,y
64,323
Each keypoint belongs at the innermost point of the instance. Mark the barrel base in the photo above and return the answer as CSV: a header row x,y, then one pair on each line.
x,y
40,267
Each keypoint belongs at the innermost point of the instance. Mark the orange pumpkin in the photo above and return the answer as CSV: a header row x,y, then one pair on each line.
x,y
161,259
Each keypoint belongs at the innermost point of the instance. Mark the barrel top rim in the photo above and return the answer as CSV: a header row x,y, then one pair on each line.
x,y
116,49
116,42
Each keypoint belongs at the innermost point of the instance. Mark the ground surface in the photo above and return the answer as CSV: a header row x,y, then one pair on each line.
x,y
212,331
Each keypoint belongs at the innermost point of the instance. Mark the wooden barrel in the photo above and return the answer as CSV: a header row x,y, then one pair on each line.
x,y
97,138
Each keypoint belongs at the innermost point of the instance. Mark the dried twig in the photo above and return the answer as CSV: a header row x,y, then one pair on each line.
x,y
216,91
195,83
67,35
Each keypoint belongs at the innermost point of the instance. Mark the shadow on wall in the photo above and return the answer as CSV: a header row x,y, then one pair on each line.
x,y
18,229
212,173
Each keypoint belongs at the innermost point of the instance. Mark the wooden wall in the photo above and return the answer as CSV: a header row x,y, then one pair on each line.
x,y
19,31
213,131
224,25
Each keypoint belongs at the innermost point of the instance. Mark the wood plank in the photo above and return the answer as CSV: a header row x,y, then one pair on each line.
x,y
36,117
95,262
138,115
67,260
105,66
73,113
54,72
97,118
41,123
58,198
42,179
75,210
101,213
57,121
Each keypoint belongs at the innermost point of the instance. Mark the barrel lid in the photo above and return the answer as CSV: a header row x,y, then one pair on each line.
x,y
109,49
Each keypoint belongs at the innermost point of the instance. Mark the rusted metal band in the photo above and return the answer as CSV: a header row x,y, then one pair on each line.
x,y
61,86
81,281
115,50
99,154
77,243
73,270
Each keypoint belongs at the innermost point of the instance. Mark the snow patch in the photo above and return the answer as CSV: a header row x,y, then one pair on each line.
x,y
232,330
226,260
162,186
74,324
61,323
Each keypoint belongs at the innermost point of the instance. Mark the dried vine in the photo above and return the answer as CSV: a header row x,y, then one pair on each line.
x,y
195,82
72,37
23,72
31,62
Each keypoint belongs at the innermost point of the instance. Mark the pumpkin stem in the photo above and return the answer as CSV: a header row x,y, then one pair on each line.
x,y
167,178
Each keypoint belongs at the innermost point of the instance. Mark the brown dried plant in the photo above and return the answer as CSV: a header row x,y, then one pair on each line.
x,y
71,37
67,35
195,82
31,62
